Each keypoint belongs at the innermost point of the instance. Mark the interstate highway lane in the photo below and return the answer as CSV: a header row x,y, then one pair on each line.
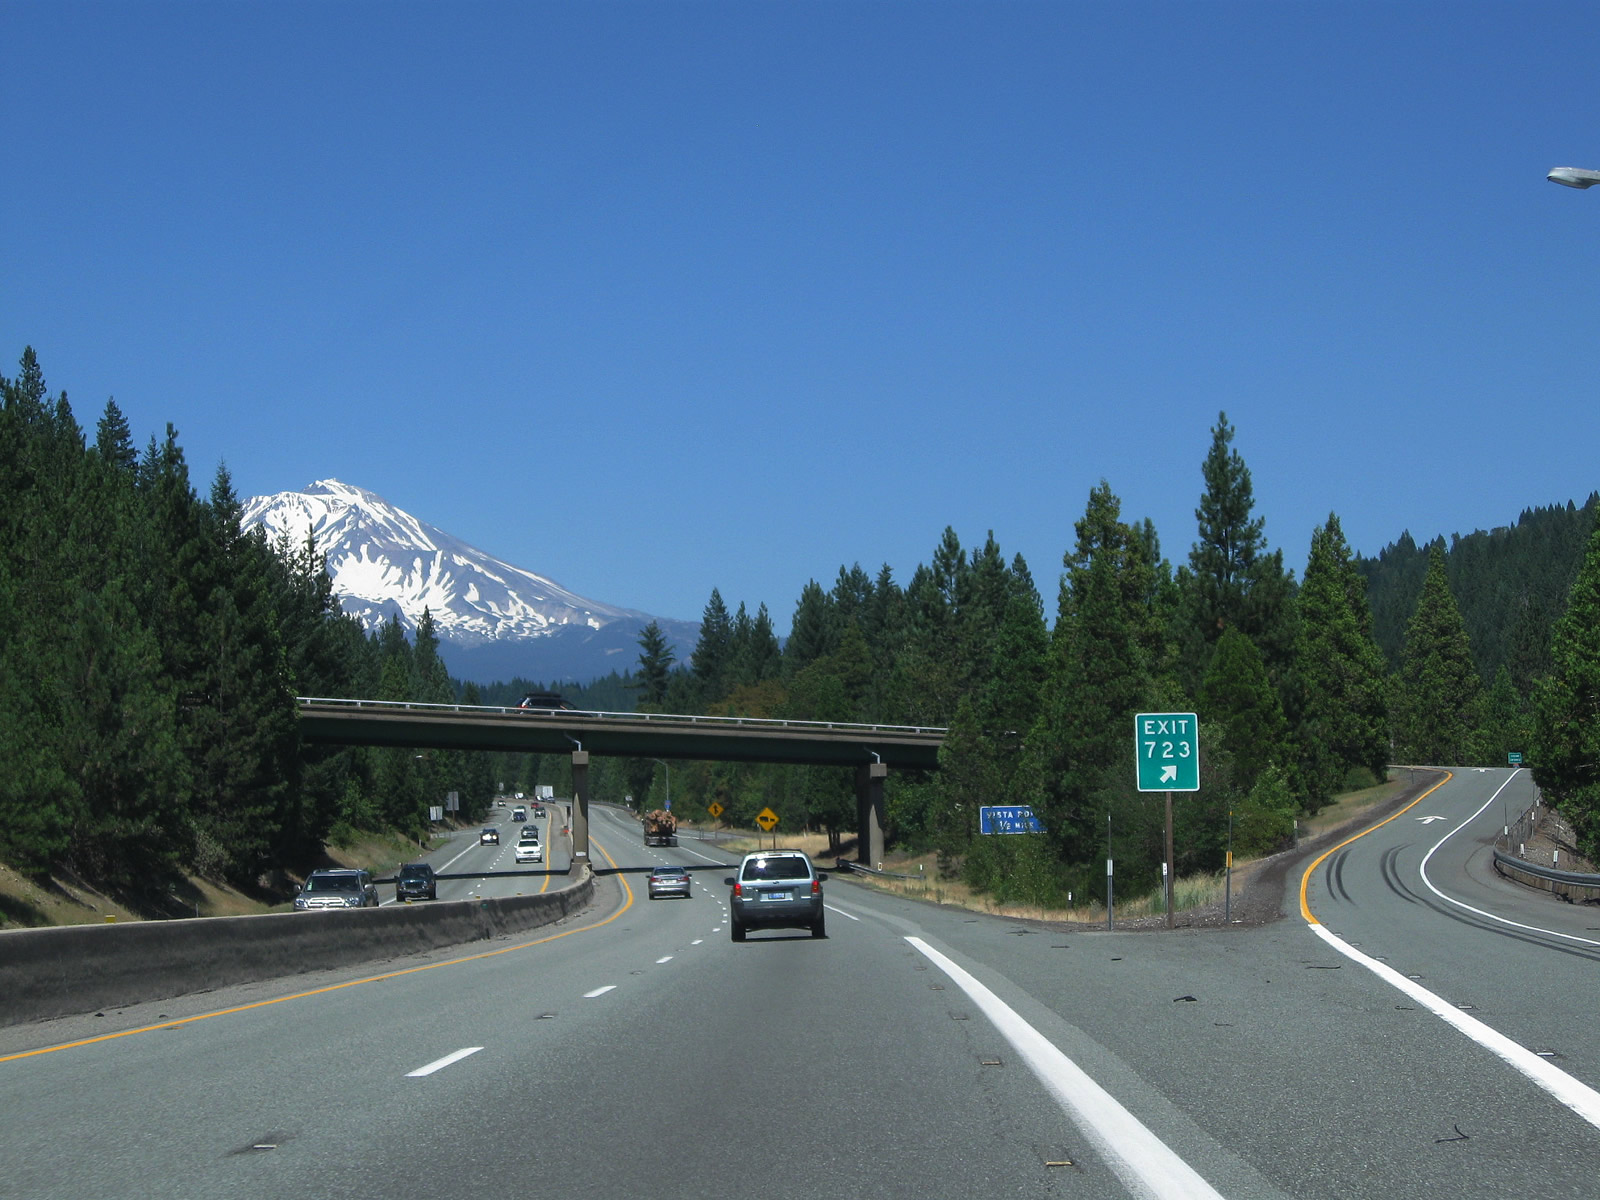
x,y
636,1048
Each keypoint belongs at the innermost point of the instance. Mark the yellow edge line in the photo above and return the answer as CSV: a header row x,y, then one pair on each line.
x,y
1305,880
106,1037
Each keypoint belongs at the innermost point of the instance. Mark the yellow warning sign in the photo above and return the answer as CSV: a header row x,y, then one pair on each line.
x,y
766,818
714,809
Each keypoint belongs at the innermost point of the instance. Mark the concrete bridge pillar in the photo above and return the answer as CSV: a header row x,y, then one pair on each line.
x,y
580,807
869,813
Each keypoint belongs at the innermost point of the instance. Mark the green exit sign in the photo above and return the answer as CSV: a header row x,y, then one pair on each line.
x,y
1167,746
1514,758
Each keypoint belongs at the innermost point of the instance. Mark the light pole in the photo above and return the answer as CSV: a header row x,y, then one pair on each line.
x,y
1574,177
667,767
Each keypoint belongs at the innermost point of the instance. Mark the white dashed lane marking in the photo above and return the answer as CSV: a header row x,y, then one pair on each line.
x,y
600,991
439,1064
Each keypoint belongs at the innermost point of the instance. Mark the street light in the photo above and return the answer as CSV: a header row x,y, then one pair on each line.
x,y
668,804
1576,177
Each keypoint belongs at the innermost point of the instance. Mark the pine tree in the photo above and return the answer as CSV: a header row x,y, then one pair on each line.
x,y
114,441
1231,540
1438,690
1099,673
655,667
1506,724
814,632
240,728
713,653
1233,580
1237,698
1567,715
1340,708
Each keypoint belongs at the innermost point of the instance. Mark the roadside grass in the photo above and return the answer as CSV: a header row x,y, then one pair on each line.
x,y
26,902
1349,805
63,899
815,845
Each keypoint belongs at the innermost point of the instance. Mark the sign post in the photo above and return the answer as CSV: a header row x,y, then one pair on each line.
x,y
768,820
1166,750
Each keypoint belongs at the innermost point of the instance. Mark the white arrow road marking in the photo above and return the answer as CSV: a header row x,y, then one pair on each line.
x,y
440,1064
1431,820
1146,1165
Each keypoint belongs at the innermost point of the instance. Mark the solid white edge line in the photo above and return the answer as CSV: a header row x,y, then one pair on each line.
x,y
600,991
441,1063
841,912
1146,1165
1579,1097
1423,869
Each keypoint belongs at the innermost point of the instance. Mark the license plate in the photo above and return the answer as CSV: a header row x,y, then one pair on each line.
x,y
777,895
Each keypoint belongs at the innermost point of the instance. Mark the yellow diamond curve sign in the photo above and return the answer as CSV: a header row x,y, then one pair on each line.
x,y
766,818
714,809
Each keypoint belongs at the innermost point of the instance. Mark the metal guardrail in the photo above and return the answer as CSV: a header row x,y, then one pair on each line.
x,y
1571,885
847,867
756,723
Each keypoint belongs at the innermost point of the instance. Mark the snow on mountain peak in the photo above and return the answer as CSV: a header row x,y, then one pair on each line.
x,y
384,561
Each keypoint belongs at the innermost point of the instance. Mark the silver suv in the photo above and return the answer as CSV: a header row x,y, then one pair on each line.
x,y
337,887
777,889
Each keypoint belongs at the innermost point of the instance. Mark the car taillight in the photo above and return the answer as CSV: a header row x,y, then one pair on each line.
x,y
738,890
816,887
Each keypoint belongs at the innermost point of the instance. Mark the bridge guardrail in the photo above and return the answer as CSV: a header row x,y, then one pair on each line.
x,y
647,718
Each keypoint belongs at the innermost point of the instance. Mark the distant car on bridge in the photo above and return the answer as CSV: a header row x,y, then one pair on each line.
x,y
543,701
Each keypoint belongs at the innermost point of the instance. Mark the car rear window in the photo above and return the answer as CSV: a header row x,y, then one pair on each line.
x,y
783,867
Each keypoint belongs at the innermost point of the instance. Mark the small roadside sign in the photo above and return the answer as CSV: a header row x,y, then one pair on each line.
x,y
1514,758
714,809
1008,818
766,818
1167,746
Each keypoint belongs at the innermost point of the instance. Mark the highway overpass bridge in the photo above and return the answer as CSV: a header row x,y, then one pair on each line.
x,y
870,749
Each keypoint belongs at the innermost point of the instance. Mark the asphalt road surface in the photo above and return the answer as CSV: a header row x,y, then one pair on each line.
x,y
470,869
918,1051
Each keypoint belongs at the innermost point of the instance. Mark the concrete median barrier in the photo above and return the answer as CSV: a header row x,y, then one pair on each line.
x,y
60,971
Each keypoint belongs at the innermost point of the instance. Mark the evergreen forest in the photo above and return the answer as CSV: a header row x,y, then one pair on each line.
x,y
150,653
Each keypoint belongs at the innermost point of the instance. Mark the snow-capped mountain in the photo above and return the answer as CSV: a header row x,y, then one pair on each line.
x,y
494,620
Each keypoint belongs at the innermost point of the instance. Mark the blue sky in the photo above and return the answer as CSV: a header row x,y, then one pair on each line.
x,y
656,297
